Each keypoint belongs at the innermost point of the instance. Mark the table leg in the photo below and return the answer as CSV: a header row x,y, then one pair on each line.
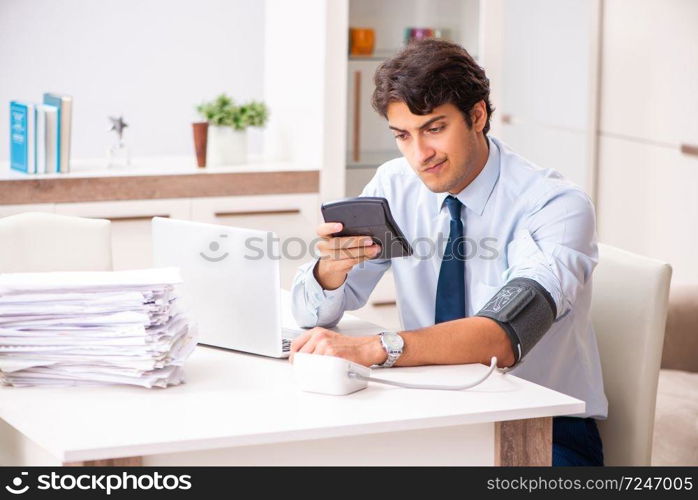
x,y
108,462
524,442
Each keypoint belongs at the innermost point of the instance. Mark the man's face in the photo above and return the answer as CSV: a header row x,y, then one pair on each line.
x,y
445,153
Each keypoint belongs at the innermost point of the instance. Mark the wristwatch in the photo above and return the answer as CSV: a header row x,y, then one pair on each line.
x,y
393,344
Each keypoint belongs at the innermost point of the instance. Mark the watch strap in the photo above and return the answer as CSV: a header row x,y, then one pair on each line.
x,y
393,354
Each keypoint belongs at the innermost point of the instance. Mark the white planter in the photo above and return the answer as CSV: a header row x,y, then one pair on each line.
x,y
226,146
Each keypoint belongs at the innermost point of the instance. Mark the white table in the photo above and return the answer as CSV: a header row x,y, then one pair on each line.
x,y
241,409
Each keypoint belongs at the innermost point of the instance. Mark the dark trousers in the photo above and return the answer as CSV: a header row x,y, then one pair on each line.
x,y
576,441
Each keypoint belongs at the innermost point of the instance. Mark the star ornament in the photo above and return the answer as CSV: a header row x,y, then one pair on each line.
x,y
117,124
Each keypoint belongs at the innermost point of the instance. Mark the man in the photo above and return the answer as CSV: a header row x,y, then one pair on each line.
x,y
511,277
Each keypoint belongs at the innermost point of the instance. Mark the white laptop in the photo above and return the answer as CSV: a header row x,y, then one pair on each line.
x,y
231,284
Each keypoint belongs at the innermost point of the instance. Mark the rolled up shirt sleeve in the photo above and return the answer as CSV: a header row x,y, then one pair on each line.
x,y
311,304
557,247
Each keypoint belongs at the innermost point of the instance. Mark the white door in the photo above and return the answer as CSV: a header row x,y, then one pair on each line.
x,y
648,203
546,84
649,71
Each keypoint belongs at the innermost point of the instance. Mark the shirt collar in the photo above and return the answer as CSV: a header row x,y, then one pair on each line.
x,y
475,195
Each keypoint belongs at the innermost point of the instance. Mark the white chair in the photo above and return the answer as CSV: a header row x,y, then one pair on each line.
x,y
38,242
629,308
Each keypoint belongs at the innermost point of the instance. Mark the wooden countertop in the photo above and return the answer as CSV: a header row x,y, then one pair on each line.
x,y
155,178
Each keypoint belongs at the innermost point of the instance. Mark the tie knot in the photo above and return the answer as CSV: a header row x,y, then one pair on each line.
x,y
454,205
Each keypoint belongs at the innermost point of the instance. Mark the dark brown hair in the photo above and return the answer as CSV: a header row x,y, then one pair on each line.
x,y
429,73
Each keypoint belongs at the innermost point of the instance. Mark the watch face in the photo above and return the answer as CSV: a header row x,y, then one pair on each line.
x,y
393,341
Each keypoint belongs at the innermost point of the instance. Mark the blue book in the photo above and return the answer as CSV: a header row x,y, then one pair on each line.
x,y
22,137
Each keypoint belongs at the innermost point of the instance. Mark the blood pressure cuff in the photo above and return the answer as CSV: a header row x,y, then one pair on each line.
x,y
525,310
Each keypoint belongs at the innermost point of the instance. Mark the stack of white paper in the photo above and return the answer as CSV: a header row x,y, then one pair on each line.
x,y
76,328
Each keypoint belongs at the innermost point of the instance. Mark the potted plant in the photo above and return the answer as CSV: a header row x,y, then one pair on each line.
x,y
227,130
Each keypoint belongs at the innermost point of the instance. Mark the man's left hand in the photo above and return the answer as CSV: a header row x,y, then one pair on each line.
x,y
366,351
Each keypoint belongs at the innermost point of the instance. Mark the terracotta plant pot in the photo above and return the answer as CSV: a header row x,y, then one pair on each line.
x,y
200,142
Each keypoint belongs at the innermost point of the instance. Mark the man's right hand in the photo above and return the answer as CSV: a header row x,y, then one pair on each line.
x,y
339,254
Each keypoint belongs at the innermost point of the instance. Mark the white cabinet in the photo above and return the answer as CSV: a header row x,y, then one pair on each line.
x,y
293,218
648,203
650,70
6,210
130,225
648,188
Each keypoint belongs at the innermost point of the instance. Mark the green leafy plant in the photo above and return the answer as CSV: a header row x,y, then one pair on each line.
x,y
223,111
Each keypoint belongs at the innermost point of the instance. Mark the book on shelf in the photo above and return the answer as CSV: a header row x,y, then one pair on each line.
x,y
23,136
47,145
39,135
64,103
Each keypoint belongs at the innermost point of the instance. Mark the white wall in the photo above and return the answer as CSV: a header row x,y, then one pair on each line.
x,y
152,60
490,49
305,83
294,79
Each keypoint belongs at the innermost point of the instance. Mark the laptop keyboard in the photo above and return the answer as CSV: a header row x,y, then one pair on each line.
x,y
288,334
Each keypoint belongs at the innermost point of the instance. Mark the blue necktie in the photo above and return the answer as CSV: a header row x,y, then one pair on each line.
x,y
450,291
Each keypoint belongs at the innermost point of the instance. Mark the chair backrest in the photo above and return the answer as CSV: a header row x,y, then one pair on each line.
x,y
38,242
629,307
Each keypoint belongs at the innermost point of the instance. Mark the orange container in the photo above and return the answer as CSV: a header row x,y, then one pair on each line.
x,y
362,41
